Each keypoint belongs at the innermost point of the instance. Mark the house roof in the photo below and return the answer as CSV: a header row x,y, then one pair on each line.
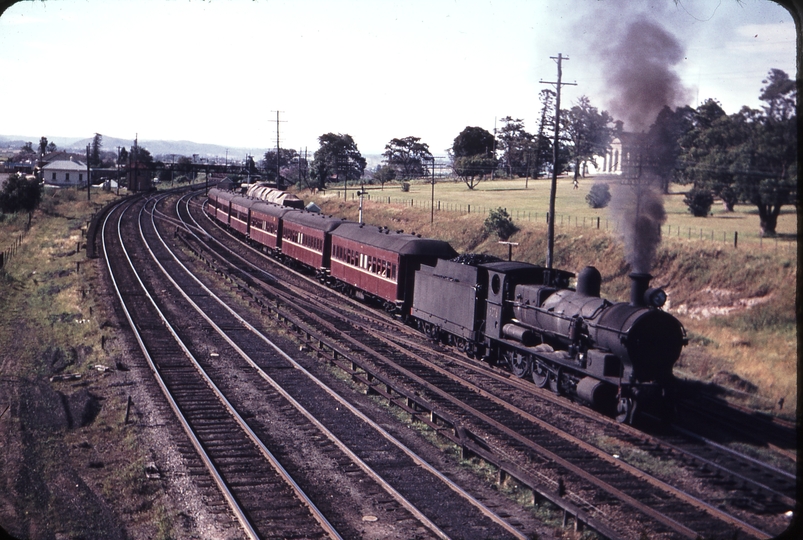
x,y
65,166
59,155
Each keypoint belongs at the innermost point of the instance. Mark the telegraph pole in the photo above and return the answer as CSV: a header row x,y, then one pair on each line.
x,y
118,170
88,172
553,188
278,184
432,199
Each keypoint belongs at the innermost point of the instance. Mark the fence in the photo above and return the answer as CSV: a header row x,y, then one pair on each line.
x,y
669,231
8,253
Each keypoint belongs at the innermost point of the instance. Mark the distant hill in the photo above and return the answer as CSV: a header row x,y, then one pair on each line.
x,y
158,147
155,147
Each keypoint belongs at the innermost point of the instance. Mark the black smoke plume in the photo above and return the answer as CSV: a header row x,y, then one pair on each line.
x,y
638,209
638,69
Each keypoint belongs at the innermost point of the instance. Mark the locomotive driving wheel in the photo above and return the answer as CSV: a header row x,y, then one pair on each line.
x,y
625,409
554,382
540,375
520,364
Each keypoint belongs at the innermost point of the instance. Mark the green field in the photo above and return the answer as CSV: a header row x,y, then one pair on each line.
x,y
532,203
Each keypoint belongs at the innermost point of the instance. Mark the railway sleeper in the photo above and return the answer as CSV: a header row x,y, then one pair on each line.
x,y
581,518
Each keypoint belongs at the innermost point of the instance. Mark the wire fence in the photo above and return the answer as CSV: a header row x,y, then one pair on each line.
x,y
733,238
11,251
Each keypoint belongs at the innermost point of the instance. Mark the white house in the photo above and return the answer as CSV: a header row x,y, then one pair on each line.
x,y
64,173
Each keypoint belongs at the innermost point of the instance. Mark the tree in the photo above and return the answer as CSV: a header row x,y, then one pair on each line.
x,y
19,194
472,155
500,223
51,147
699,201
274,167
589,132
337,156
43,146
704,156
780,94
296,171
543,142
516,146
184,165
384,173
750,156
142,156
599,195
94,156
408,156
663,141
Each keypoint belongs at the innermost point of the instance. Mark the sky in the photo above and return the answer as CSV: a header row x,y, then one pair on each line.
x,y
217,71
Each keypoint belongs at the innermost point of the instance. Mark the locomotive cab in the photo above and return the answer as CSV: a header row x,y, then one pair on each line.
x,y
504,280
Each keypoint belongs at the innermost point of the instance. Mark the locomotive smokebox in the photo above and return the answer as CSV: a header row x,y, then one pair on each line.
x,y
639,283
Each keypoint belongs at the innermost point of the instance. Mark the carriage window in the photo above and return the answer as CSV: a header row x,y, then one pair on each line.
x,y
393,271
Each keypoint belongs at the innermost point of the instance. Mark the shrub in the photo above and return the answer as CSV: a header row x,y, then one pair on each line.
x,y
500,223
699,201
405,186
599,196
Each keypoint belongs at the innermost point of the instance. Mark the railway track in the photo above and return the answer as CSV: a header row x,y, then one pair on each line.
x,y
236,462
709,511
315,427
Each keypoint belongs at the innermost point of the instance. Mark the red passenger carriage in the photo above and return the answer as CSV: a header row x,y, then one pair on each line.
x,y
306,238
218,204
382,264
266,224
240,213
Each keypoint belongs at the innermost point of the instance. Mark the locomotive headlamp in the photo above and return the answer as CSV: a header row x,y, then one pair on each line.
x,y
655,297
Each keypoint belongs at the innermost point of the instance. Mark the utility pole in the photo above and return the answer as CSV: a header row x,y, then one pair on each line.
x,y
118,170
432,198
342,163
493,171
553,188
87,173
278,177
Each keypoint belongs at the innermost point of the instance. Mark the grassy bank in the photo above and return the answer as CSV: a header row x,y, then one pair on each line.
x,y
64,427
737,304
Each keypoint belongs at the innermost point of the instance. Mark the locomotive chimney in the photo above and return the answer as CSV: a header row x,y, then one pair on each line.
x,y
639,284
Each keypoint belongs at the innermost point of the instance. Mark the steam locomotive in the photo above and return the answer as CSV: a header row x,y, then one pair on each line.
x,y
614,356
